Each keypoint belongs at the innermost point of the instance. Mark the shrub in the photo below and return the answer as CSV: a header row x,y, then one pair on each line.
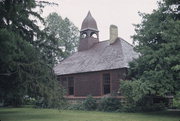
x,y
155,107
109,104
40,103
90,103
128,107
78,106
176,101
145,104
29,100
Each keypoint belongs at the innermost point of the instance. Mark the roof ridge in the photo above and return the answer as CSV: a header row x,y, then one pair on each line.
x,y
118,38
103,41
121,49
125,41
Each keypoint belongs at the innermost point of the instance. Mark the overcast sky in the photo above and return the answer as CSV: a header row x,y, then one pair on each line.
x,y
122,13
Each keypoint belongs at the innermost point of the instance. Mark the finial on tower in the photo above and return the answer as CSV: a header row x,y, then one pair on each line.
x,y
89,23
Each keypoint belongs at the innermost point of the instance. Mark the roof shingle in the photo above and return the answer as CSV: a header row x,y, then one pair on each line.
x,y
102,56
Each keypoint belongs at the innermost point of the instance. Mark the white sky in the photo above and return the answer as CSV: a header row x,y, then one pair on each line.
x,y
122,13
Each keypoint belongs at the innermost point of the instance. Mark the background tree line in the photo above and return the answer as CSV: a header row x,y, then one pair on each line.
x,y
28,54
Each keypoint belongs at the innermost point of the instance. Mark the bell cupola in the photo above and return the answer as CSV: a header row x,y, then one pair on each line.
x,y
89,33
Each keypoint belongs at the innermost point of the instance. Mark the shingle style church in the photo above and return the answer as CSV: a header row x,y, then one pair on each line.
x,y
98,66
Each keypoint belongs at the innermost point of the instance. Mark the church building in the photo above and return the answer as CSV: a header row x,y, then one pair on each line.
x,y
98,66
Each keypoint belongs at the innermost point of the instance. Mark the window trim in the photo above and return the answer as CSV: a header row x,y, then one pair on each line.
x,y
68,81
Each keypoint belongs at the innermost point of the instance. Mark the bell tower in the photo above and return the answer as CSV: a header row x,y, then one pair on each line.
x,y
89,33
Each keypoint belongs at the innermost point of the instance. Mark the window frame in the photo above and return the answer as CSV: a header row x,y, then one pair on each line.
x,y
106,81
70,78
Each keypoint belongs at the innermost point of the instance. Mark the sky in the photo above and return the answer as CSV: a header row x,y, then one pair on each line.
x,y
122,13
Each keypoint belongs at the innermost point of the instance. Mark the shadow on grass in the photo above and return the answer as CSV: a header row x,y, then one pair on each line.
x,y
10,111
165,114
35,117
21,115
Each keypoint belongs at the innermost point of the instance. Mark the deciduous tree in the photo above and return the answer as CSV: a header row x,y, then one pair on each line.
x,y
157,70
64,31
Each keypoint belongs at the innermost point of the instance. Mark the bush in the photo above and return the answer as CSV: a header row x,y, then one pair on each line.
x,y
145,104
176,101
90,103
142,108
127,107
78,106
40,103
156,107
109,104
29,100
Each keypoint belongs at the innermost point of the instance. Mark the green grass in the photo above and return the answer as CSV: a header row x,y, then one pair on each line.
x,y
31,114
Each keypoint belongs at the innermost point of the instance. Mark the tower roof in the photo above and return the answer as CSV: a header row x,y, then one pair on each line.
x,y
89,23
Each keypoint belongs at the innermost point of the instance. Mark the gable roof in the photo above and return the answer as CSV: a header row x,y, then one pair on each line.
x,y
102,56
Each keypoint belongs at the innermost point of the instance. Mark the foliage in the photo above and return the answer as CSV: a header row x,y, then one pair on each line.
x,y
24,68
129,107
29,100
90,103
24,73
109,104
77,106
147,104
64,31
105,104
176,101
14,70
156,71
133,90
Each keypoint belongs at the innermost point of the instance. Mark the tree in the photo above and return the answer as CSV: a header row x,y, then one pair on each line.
x,y
64,31
156,71
24,68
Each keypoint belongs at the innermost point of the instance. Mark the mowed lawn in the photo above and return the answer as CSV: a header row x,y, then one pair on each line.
x,y
32,114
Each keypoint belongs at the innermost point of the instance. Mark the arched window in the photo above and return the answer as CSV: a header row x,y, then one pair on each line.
x,y
83,35
94,35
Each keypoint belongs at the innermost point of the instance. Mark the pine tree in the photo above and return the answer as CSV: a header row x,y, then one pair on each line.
x,y
24,68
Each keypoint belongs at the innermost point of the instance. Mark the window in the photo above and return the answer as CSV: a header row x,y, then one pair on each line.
x,y
106,83
94,35
70,85
84,35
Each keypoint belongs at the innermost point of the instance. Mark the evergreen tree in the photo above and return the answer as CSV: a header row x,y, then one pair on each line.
x,y
25,69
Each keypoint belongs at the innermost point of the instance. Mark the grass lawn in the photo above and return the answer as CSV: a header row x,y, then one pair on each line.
x,y
31,114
